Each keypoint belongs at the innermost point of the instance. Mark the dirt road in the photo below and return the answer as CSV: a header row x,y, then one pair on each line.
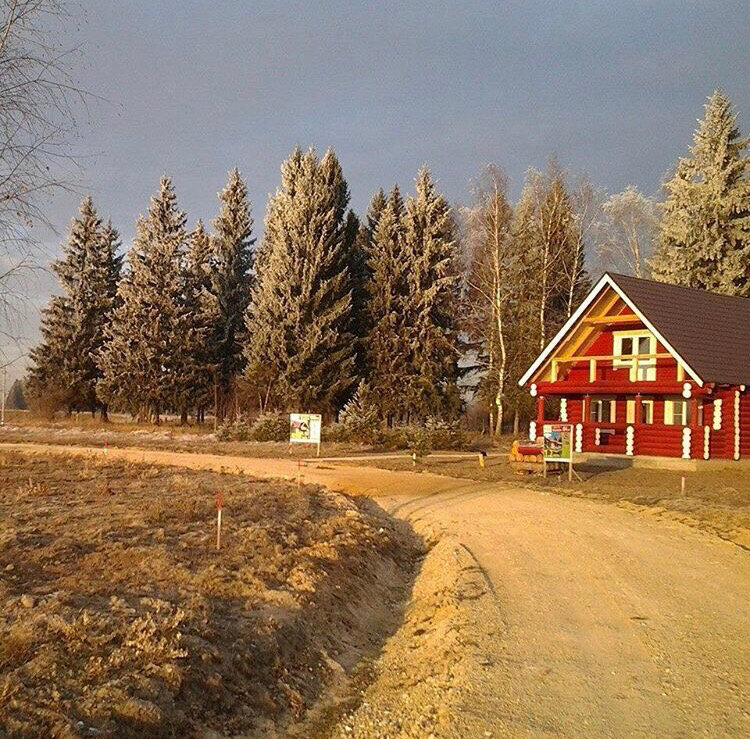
x,y
610,623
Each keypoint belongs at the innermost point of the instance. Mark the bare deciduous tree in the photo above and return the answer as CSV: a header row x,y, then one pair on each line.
x,y
38,100
490,284
627,231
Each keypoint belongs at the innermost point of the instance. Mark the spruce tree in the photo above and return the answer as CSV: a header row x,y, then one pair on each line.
x,y
300,351
387,353
361,275
142,362
198,317
704,235
231,266
431,305
73,325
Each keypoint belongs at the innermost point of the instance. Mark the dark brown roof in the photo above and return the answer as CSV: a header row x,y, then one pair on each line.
x,y
711,332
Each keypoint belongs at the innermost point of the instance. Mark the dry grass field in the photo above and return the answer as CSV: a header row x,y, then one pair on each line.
x,y
118,617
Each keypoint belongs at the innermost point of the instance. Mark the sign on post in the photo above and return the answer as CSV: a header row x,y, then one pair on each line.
x,y
558,445
304,428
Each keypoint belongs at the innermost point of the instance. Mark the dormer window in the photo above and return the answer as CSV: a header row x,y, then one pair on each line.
x,y
629,347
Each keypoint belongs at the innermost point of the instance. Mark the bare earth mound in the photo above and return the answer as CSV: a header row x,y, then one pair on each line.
x,y
119,617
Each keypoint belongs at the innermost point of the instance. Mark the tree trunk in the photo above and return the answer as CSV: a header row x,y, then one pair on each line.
x,y
516,422
184,417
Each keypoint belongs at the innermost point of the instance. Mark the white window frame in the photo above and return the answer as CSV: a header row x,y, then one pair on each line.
x,y
646,367
647,404
599,403
669,415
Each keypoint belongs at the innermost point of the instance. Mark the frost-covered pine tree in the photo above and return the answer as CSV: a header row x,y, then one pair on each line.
x,y
704,235
361,274
300,351
142,362
431,305
231,277
387,349
73,325
199,315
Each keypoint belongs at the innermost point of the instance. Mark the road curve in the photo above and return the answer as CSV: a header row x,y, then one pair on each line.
x,y
611,622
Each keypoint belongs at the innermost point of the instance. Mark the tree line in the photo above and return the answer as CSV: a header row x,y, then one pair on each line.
x,y
403,310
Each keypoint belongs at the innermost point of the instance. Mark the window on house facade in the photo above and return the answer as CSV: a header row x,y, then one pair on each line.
x,y
602,410
635,342
675,412
647,410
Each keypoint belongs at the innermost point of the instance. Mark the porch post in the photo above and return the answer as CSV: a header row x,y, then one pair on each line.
x,y
638,410
539,415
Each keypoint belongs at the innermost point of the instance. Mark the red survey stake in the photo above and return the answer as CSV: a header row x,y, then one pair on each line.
x,y
219,506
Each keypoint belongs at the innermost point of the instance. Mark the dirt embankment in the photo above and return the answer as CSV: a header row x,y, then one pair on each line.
x,y
118,617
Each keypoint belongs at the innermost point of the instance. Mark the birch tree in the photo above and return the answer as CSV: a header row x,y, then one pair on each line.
x,y
491,285
626,232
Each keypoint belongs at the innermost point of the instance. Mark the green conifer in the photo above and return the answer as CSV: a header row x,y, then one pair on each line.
x,y
704,236
142,363
300,351
231,276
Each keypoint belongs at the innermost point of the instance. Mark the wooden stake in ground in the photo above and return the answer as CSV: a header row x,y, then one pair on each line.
x,y
219,506
682,486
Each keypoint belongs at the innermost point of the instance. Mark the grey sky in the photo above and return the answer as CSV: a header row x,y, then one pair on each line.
x,y
611,87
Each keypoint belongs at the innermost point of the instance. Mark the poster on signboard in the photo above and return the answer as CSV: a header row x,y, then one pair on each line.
x,y
558,438
304,428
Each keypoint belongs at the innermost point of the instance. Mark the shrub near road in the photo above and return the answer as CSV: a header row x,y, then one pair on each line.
x,y
118,615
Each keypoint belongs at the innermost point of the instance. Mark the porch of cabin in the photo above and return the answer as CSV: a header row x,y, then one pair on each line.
x,y
666,424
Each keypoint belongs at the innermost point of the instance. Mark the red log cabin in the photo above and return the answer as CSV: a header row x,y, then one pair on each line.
x,y
647,368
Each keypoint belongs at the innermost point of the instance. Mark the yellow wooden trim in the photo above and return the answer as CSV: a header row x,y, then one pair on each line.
x,y
600,357
634,332
680,372
592,370
607,320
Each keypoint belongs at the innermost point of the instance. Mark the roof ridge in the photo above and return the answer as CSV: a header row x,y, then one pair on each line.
x,y
702,291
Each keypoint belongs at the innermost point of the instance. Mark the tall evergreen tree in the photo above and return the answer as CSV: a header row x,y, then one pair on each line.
x,y
198,316
142,363
387,351
73,325
704,236
300,350
431,307
231,263
361,275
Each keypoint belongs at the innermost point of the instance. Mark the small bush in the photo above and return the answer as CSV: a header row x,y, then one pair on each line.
x,y
270,427
240,430
445,434
419,441
336,432
360,417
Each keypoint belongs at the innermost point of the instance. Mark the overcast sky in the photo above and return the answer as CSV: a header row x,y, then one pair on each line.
x,y
194,88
